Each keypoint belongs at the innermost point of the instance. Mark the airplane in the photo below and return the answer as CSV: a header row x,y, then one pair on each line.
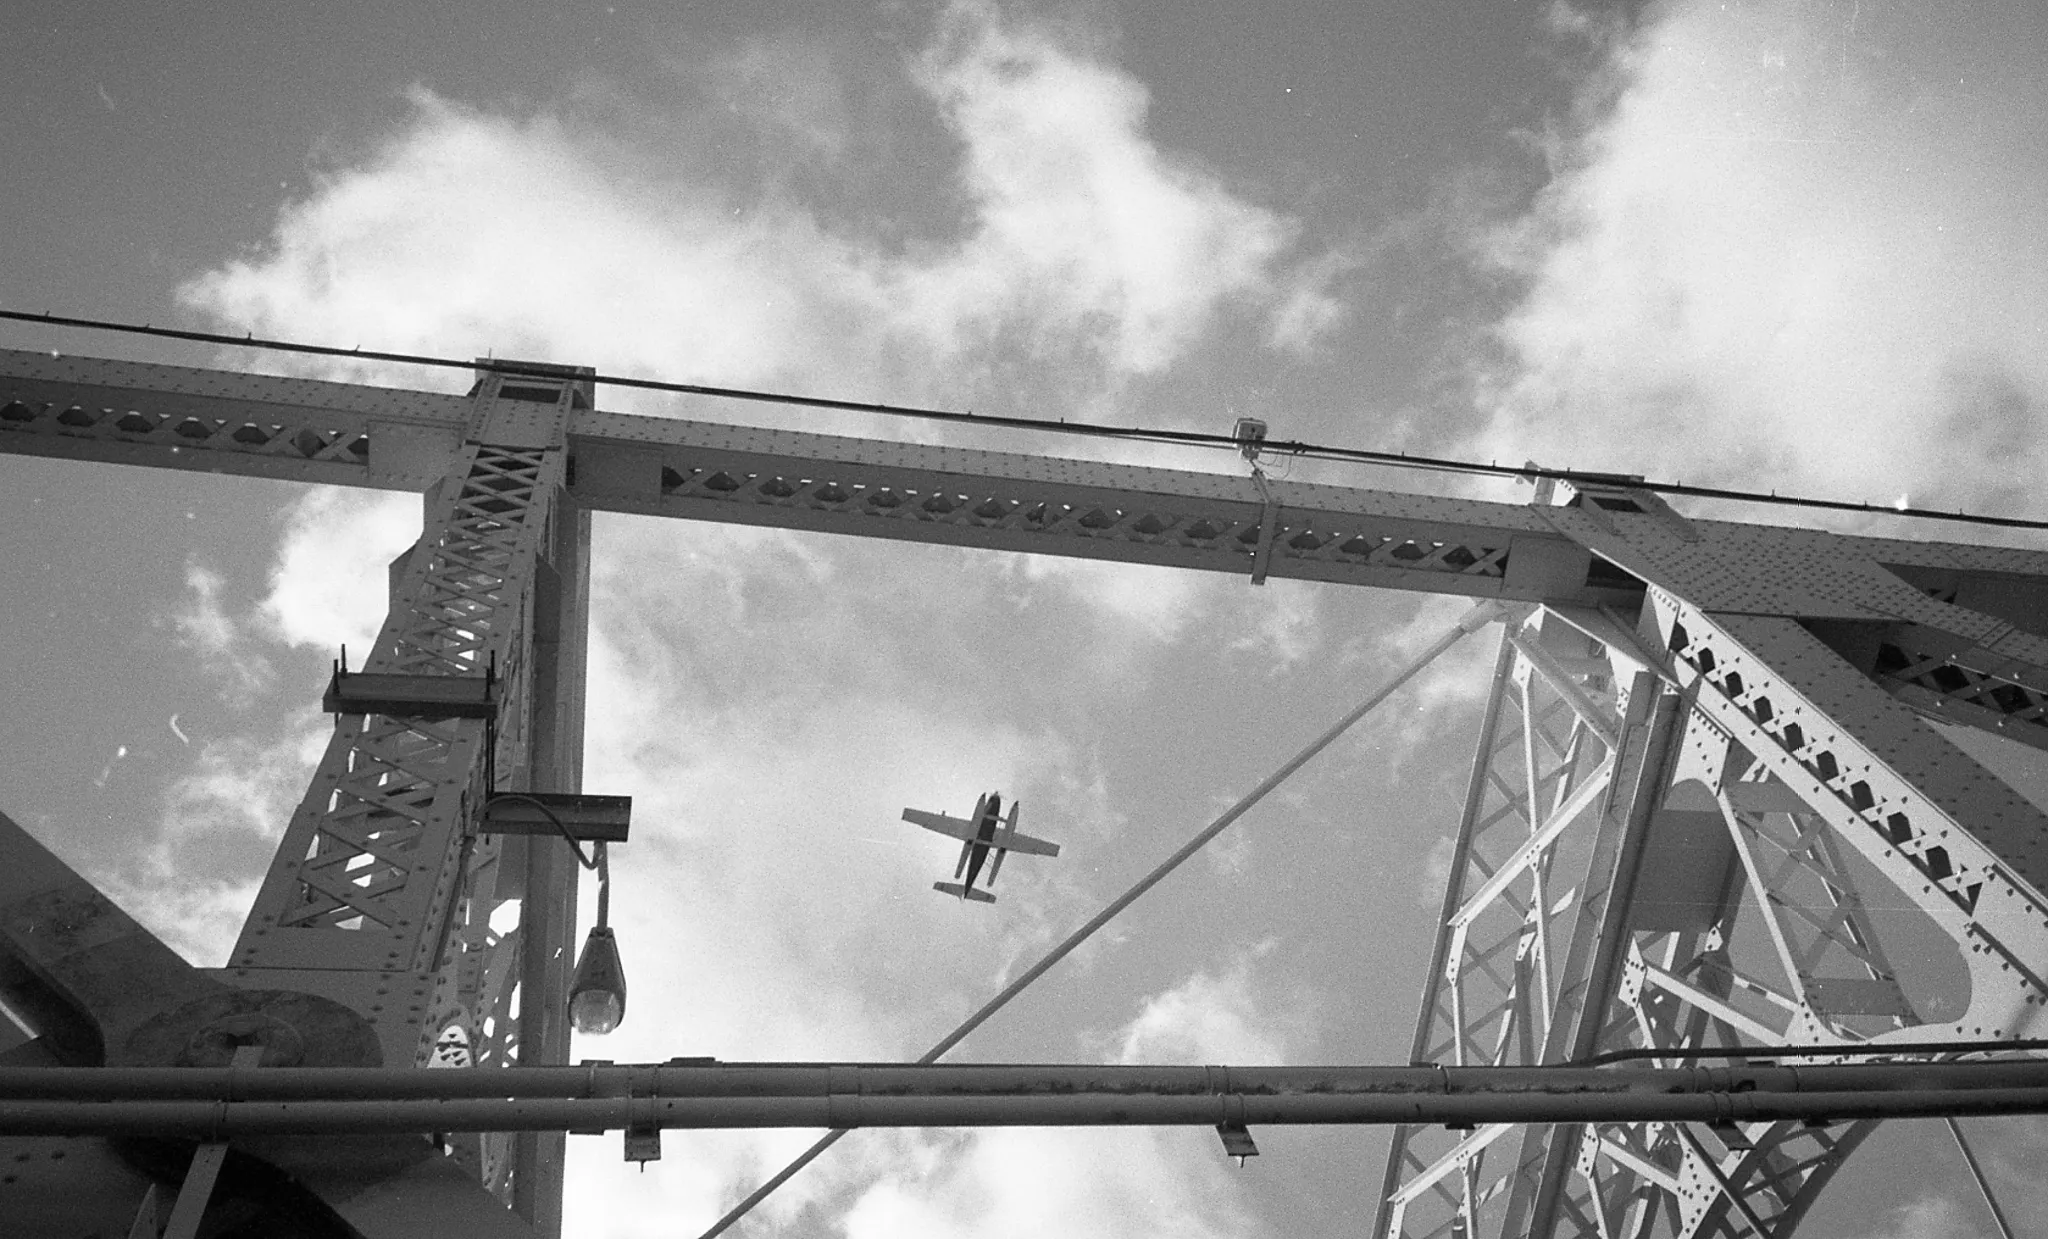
x,y
985,833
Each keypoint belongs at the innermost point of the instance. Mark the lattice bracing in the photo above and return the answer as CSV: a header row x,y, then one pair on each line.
x,y
379,868
474,999
1547,761
1962,680
1798,818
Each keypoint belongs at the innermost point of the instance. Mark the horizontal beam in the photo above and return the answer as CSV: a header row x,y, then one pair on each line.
x,y
224,1103
348,434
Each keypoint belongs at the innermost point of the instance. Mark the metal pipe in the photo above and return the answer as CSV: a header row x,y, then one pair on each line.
x,y
228,1120
597,1082
218,1103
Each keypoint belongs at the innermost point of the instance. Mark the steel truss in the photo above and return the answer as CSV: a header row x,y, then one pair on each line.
x,y
1705,785
1675,840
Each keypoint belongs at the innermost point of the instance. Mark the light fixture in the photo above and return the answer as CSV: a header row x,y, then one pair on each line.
x,y
597,995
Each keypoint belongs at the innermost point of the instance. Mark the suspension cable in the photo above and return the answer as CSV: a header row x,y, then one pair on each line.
x,y
1977,1173
1478,617
1140,434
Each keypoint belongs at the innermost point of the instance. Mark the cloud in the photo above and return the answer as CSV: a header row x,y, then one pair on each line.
x,y
1216,1017
329,586
1279,622
1082,222
199,919
1792,247
1407,730
1033,1181
192,884
1144,601
1078,241
221,641
1929,1218
247,785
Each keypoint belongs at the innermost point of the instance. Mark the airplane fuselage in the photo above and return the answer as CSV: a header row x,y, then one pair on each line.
x,y
976,851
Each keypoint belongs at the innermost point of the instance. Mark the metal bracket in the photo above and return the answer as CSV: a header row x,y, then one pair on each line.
x,y
1237,1141
643,1143
411,696
592,1062
599,819
1269,523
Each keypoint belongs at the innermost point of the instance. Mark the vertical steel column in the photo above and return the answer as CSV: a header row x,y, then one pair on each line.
x,y
1593,960
383,893
548,916
1433,1013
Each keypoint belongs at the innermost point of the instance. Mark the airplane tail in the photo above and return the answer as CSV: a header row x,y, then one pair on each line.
x,y
964,892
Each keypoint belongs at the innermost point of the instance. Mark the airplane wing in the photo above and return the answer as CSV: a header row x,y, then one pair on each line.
x,y
951,827
1011,841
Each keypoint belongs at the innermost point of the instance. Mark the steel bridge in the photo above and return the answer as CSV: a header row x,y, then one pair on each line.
x,y
1719,763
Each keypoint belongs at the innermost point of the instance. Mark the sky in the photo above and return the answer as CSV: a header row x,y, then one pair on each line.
x,y
1792,246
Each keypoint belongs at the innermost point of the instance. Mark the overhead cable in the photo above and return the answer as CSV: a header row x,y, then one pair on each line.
x,y
1139,434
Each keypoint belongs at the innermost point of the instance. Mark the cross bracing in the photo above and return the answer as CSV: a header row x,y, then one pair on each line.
x,y
1708,779
1714,889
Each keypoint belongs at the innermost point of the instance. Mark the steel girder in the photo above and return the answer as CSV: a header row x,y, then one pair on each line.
x,y
346,434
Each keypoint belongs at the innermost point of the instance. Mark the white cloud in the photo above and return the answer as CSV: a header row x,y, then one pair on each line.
x,y
1929,1218
1144,601
199,919
1217,1017
1407,725
1797,252
204,627
329,586
1082,241
1280,622
193,883
1082,222
1021,1182
244,784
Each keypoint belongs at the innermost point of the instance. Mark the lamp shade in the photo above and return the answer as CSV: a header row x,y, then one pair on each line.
x,y
597,995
